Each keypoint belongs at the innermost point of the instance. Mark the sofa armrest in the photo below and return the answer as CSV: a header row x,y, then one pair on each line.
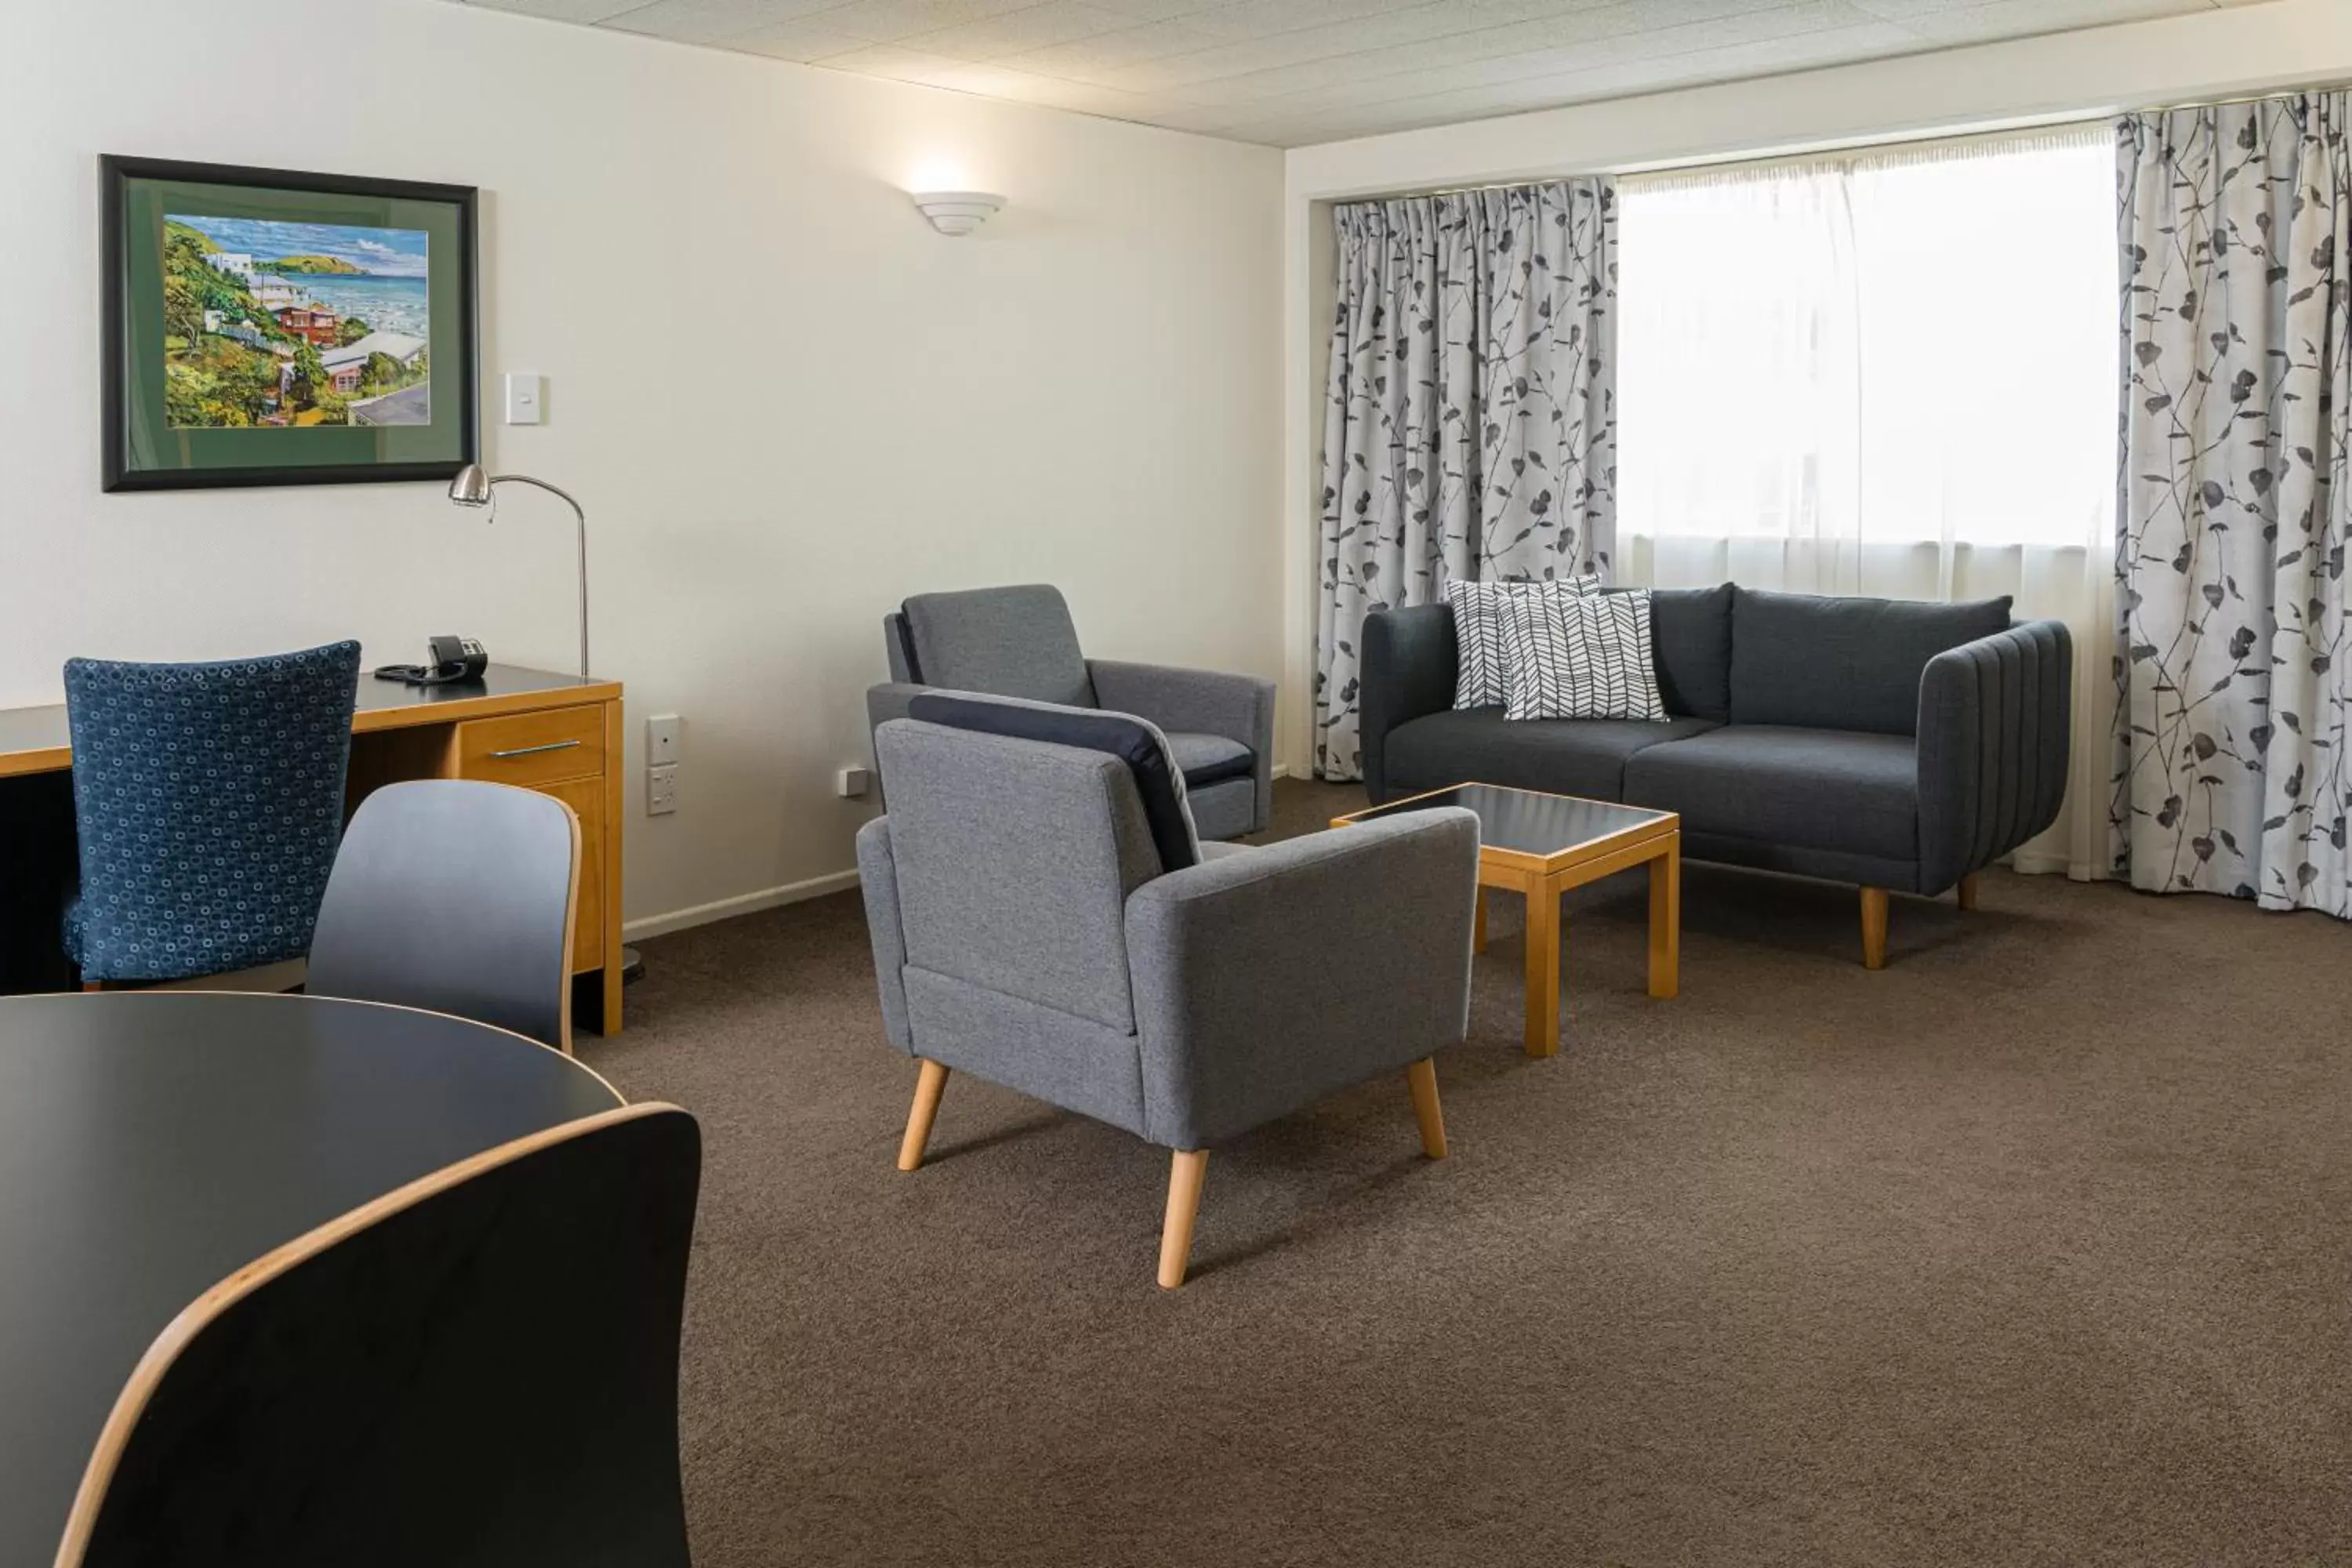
x,y
1407,669
878,877
1995,728
1202,702
1264,980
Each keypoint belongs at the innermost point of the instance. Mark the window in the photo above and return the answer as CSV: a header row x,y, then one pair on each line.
x,y
1844,374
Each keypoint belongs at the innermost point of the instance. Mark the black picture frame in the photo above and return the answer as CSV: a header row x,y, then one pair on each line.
x,y
126,467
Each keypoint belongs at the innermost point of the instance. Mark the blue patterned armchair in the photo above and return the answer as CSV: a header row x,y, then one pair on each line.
x,y
209,800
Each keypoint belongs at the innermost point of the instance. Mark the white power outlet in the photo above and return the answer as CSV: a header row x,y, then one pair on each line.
x,y
661,790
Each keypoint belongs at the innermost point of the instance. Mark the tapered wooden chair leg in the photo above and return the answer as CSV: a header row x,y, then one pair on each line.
x,y
928,1085
1185,1175
1966,891
1874,928
1421,1075
1478,920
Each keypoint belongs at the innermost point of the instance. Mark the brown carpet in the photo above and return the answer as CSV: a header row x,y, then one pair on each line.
x,y
2033,1248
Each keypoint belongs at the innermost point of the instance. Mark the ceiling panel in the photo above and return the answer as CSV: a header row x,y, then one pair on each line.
x,y
1289,72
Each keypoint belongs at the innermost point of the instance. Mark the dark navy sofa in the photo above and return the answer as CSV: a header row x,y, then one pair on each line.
x,y
1898,745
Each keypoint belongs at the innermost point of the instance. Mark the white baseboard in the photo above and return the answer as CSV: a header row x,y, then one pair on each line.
x,y
1282,770
742,904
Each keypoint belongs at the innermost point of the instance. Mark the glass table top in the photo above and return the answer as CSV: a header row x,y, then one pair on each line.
x,y
1526,822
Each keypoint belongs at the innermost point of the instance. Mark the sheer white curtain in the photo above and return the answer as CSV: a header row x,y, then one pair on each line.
x,y
1894,374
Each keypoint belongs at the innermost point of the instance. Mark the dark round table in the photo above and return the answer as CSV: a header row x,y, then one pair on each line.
x,y
153,1144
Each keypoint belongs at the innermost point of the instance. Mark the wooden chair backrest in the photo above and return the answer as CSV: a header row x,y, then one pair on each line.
x,y
479,1369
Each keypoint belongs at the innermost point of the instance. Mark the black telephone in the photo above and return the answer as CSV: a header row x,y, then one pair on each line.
x,y
453,660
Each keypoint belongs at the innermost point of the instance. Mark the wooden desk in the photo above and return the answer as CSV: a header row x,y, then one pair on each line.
x,y
558,734
160,1142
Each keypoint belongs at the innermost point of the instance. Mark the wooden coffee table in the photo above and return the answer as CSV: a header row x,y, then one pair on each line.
x,y
1543,844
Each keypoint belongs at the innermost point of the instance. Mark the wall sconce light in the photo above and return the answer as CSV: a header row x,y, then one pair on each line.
x,y
957,212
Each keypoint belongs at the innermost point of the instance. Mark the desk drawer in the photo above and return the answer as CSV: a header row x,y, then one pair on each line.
x,y
533,748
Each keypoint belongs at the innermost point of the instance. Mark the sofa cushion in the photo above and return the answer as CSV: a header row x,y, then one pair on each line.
x,y
1561,756
1843,664
1210,758
1824,789
1483,641
1581,655
1007,642
1690,642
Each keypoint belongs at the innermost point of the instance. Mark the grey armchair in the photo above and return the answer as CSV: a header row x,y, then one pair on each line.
x,y
1020,642
1026,929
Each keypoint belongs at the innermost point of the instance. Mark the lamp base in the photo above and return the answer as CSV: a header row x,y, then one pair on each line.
x,y
633,966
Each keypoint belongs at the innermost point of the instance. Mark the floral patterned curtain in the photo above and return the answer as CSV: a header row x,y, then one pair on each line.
x,y
2234,682
1470,429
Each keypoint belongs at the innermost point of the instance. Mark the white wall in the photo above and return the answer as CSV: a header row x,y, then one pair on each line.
x,y
2226,53
786,403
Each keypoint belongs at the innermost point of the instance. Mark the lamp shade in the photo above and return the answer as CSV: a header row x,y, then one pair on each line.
x,y
471,487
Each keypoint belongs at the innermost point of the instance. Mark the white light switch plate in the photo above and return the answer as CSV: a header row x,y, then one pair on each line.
x,y
661,790
526,395
662,735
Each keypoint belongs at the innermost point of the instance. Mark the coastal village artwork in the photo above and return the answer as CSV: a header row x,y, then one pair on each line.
x,y
271,324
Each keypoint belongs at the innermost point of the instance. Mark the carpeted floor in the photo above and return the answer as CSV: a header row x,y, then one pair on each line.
x,y
2035,1247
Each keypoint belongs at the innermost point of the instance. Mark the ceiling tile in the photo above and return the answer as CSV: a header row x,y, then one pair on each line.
x,y
895,64
1160,10
894,21
1016,32
1526,50
564,10
1467,59
1266,19
1095,59
1023,86
2018,18
706,21
796,41
1256,56
1208,121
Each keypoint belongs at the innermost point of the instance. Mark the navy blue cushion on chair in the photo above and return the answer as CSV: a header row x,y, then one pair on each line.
x,y
1148,754
209,800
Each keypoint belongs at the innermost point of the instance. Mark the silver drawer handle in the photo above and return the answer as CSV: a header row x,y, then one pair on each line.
x,y
534,751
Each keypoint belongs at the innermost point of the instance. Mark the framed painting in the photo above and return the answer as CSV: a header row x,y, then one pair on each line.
x,y
264,327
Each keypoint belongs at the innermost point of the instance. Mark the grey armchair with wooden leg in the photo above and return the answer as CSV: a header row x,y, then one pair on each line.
x,y
1021,643
1044,917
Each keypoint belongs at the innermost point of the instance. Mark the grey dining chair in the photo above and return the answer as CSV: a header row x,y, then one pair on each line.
x,y
1044,917
458,897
